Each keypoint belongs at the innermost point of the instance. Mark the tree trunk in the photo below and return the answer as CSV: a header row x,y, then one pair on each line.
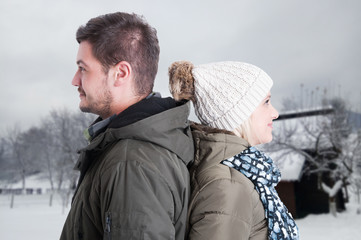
x,y
12,200
333,209
51,198
346,192
23,179
358,211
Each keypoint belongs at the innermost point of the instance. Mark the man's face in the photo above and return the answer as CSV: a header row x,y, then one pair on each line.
x,y
92,83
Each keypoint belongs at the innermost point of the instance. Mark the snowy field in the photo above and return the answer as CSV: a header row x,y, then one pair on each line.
x,y
31,218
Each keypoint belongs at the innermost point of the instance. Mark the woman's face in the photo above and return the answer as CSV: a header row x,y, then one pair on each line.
x,y
261,122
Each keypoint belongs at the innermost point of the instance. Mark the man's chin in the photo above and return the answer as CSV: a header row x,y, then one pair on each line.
x,y
85,109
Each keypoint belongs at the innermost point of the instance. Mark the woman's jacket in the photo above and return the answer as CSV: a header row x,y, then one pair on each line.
x,y
224,203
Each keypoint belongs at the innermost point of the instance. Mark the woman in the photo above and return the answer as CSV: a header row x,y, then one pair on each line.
x,y
233,194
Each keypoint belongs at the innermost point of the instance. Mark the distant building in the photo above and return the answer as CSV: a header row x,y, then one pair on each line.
x,y
33,185
299,190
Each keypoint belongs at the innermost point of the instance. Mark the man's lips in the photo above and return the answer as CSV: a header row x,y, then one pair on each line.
x,y
81,93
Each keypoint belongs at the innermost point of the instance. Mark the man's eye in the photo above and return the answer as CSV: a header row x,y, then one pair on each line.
x,y
81,69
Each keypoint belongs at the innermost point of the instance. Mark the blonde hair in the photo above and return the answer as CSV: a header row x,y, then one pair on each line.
x,y
244,130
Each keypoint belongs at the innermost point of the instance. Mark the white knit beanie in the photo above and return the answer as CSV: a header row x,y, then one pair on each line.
x,y
227,93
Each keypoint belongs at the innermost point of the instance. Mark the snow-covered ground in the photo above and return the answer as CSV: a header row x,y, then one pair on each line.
x,y
346,226
32,218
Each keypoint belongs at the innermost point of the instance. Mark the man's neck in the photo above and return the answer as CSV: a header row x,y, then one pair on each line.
x,y
118,108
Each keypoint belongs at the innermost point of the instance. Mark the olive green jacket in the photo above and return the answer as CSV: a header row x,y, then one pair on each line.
x,y
224,203
137,185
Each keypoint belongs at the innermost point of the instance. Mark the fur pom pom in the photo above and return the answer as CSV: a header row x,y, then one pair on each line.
x,y
181,81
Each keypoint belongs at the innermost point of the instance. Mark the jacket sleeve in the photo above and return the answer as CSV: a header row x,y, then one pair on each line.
x,y
221,210
136,202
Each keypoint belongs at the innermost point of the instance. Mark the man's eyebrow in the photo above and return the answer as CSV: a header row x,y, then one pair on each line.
x,y
81,62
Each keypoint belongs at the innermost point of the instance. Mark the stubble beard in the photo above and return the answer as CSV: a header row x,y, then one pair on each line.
x,y
101,105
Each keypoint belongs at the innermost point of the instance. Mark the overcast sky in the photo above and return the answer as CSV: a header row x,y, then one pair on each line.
x,y
314,43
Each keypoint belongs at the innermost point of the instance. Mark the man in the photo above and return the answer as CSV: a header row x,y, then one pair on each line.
x,y
134,182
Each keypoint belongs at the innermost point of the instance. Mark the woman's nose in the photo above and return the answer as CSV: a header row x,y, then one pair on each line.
x,y
275,114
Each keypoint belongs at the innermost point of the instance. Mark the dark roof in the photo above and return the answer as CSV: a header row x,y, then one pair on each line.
x,y
307,113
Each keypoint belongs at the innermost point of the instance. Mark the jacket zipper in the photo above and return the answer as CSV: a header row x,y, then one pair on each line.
x,y
108,222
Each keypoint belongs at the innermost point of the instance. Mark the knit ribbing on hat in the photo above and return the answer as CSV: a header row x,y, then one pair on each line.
x,y
226,93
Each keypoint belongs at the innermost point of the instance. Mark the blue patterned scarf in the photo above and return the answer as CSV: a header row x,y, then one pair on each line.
x,y
259,168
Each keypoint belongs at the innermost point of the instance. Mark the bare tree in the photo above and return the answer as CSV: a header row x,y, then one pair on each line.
x,y
28,150
64,139
4,160
351,163
49,150
326,142
19,149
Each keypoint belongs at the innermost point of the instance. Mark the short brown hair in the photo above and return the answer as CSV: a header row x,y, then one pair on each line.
x,y
127,37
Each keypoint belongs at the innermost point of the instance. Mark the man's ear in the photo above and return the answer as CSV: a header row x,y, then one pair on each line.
x,y
123,72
